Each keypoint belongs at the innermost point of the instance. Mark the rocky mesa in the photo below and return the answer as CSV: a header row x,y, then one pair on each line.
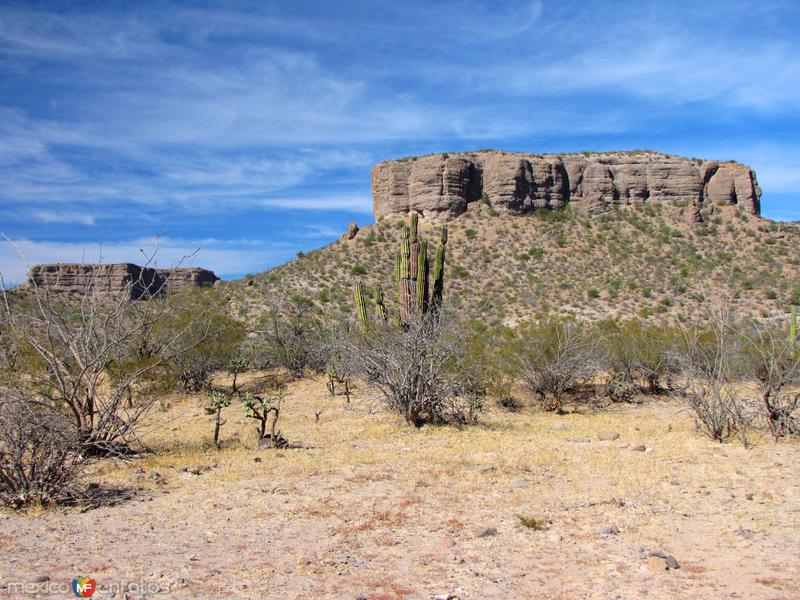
x,y
112,279
440,187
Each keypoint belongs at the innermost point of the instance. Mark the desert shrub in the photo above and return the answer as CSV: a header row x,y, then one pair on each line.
x,y
217,401
418,368
284,335
710,377
619,388
266,410
201,353
634,353
101,357
488,360
553,358
771,358
39,453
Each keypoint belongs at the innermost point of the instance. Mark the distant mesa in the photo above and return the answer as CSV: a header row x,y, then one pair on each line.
x,y
441,187
113,279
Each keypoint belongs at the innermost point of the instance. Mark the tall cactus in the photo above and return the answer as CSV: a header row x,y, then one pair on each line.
x,y
379,305
793,331
412,274
438,273
361,305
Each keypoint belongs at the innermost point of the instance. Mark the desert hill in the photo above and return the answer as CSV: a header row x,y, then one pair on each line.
x,y
688,230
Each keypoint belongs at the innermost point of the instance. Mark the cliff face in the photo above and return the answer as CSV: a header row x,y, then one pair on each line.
x,y
111,279
441,187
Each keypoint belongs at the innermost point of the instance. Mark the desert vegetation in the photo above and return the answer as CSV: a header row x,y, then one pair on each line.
x,y
87,379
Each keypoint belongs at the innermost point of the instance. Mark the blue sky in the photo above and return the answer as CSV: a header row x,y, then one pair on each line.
x,y
249,128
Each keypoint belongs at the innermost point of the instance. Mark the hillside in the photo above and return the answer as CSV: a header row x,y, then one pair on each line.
x,y
644,260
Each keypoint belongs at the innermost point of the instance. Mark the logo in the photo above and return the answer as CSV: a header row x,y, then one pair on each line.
x,y
83,587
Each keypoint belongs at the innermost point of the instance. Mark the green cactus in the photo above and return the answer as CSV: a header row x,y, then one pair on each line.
x,y
793,330
412,274
438,273
361,305
379,305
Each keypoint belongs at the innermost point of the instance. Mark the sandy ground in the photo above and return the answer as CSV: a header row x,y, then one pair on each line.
x,y
370,508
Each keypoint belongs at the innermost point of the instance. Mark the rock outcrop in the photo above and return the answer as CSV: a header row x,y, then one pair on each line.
x,y
441,187
352,231
121,278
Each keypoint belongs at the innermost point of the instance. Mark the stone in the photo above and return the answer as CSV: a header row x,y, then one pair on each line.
x,y
518,483
669,561
126,279
352,231
639,448
605,530
39,579
559,427
482,468
486,532
554,537
656,564
607,436
441,187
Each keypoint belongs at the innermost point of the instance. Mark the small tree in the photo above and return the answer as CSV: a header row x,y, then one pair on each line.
x,y
266,409
770,357
39,453
218,402
201,354
710,376
417,368
98,355
285,333
553,358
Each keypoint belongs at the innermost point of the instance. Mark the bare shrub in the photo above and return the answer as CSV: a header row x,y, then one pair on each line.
x,y
284,334
418,368
710,371
198,351
636,353
103,358
771,358
553,358
39,459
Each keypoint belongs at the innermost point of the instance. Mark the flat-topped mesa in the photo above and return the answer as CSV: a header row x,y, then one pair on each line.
x,y
120,278
440,187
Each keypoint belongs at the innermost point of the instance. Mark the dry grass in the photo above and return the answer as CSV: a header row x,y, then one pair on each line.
x,y
365,504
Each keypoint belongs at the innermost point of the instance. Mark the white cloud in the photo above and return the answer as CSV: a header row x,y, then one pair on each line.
x,y
49,216
346,202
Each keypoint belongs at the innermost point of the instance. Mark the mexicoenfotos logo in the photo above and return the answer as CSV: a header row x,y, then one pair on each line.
x,y
83,587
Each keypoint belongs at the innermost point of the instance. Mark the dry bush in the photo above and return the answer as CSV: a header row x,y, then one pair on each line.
x,y
770,357
553,358
418,367
635,352
285,335
102,358
39,459
711,372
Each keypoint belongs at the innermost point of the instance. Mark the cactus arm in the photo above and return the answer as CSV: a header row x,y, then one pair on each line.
x,y
361,306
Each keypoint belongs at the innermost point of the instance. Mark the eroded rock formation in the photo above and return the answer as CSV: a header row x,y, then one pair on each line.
x,y
111,279
441,187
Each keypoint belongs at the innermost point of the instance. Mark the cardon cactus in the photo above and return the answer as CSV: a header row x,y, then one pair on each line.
x,y
793,330
412,273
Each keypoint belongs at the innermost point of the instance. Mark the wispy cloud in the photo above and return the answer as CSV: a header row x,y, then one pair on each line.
x,y
166,114
361,203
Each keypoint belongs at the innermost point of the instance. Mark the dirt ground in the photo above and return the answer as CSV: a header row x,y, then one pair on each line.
x,y
366,507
